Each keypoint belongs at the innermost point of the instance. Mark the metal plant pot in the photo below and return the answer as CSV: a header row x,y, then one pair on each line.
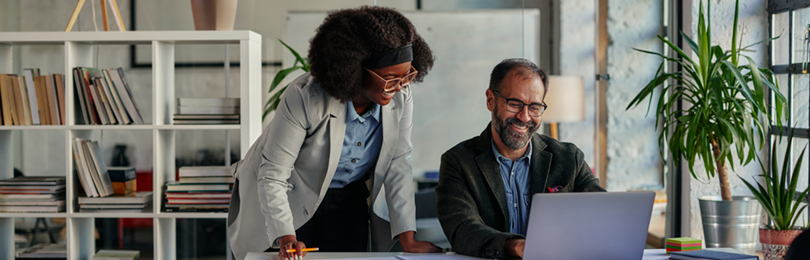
x,y
731,223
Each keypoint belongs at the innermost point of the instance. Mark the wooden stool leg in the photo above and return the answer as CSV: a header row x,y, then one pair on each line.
x,y
104,15
75,15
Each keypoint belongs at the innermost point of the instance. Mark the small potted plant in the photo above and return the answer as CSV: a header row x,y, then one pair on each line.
x,y
777,195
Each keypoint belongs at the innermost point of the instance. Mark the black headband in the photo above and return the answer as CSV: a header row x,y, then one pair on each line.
x,y
389,58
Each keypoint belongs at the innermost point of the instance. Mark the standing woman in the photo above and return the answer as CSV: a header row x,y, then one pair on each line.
x,y
303,183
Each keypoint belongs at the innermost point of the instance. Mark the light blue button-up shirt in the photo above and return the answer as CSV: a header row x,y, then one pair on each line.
x,y
515,176
361,145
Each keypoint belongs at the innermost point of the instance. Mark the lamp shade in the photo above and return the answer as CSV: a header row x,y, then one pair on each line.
x,y
565,99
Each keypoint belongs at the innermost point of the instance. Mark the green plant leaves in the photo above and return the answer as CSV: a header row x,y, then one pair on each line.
x,y
275,100
777,195
727,101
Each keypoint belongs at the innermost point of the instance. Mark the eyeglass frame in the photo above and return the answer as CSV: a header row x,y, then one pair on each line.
x,y
522,105
413,72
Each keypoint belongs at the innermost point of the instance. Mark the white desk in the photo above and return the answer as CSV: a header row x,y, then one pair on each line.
x,y
649,254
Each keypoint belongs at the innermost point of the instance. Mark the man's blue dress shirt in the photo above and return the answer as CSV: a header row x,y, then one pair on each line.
x,y
361,145
515,176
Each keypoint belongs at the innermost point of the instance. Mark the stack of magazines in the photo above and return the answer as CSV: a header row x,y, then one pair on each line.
x,y
33,194
131,202
200,189
204,111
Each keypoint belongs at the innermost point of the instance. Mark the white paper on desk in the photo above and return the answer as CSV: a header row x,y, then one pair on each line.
x,y
325,257
437,257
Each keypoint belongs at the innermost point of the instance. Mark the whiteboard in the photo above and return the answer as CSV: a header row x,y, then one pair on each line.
x,y
450,105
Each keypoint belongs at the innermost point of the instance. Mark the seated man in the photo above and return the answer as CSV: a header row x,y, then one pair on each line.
x,y
486,182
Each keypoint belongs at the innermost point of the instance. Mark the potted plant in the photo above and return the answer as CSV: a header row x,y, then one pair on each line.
x,y
273,101
728,110
776,194
217,15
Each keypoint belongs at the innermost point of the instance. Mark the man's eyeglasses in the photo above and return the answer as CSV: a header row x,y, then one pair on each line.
x,y
515,105
391,84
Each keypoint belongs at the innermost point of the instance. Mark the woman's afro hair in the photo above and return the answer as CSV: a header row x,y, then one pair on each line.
x,y
349,36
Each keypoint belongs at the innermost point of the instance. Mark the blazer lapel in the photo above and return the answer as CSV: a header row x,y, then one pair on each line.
x,y
539,167
337,131
390,133
491,170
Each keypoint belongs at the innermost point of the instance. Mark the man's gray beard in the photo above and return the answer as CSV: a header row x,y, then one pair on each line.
x,y
509,137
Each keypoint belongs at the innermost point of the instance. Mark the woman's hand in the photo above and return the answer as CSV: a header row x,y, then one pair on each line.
x,y
411,245
290,242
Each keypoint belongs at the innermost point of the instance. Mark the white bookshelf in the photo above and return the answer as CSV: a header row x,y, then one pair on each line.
x,y
78,52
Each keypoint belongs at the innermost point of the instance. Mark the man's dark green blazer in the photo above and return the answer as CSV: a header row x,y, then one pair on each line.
x,y
472,199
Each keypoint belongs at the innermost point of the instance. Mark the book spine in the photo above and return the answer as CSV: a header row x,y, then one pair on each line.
x,y
32,95
51,91
18,101
25,103
60,94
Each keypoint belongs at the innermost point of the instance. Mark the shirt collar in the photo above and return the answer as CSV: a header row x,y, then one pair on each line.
x,y
351,113
499,156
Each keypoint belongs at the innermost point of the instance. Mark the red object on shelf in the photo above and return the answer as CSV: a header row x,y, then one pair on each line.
x,y
143,182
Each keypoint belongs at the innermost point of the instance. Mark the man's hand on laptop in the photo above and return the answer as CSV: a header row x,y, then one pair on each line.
x,y
411,245
514,247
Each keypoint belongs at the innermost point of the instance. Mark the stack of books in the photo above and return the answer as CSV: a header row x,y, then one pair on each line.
x,y
33,194
200,188
200,111
91,168
131,202
32,99
105,254
103,97
43,251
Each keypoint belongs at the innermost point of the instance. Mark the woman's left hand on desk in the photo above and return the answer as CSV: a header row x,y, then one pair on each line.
x,y
411,245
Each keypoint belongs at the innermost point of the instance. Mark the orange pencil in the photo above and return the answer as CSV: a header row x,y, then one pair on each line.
x,y
310,249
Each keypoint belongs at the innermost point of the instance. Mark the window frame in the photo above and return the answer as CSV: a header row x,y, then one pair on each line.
x,y
793,67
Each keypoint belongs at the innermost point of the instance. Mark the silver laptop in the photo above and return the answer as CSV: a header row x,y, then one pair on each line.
x,y
588,225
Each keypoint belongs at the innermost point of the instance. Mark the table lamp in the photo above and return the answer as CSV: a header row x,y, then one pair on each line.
x,y
565,100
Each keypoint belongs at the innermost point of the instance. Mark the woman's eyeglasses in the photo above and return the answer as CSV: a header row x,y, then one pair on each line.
x,y
391,84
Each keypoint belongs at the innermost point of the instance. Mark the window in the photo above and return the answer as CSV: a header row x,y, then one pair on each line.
x,y
790,61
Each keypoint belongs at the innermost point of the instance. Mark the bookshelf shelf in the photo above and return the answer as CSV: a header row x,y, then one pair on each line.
x,y
166,215
122,127
78,52
33,215
216,215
